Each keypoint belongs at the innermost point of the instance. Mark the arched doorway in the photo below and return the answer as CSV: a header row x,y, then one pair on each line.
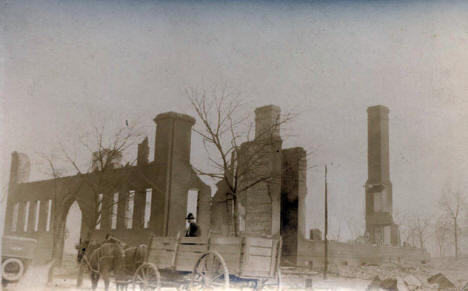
x,y
72,231
68,231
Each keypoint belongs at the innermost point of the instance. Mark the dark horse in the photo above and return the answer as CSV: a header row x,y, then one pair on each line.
x,y
134,257
102,259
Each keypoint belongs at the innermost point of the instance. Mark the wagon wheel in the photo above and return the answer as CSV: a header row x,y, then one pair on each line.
x,y
147,277
210,272
12,269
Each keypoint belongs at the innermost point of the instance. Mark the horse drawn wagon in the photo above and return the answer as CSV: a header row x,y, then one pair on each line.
x,y
216,262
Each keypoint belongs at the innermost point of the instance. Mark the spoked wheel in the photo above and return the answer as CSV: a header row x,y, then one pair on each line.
x,y
13,269
147,278
210,273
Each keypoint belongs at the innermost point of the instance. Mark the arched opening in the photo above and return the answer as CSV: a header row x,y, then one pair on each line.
x,y
71,231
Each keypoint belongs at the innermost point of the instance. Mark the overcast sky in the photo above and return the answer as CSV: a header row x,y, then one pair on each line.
x,y
328,61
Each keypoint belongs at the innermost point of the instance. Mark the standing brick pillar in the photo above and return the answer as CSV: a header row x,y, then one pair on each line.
x,y
293,195
172,157
380,228
260,205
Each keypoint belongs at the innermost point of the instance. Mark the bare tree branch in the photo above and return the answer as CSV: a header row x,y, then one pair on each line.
x,y
225,129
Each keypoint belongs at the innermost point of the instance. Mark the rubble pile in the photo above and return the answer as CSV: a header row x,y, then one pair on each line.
x,y
403,276
385,271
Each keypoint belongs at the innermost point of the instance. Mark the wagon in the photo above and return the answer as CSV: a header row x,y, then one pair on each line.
x,y
17,254
216,262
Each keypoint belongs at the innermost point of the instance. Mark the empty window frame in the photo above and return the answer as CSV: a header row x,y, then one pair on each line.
x,y
115,204
14,219
148,199
26,215
129,208
192,202
99,211
36,216
49,214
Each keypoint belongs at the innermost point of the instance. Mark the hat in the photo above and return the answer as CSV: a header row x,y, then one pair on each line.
x,y
190,216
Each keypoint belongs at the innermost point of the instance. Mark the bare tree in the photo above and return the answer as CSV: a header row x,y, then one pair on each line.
x,y
441,233
451,204
407,233
52,170
103,171
420,226
223,128
108,152
108,165
355,227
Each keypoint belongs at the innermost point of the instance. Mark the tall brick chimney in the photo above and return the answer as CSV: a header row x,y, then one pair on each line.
x,y
380,228
267,119
172,156
143,153
20,168
173,137
378,164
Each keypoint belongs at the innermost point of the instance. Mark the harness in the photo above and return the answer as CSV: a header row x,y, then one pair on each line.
x,y
93,254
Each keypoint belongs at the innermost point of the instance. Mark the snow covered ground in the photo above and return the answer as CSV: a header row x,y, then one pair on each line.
x,y
345,277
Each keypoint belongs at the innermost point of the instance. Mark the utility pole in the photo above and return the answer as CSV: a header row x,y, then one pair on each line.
x,y
325,269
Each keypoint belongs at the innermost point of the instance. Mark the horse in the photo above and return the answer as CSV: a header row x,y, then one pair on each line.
x,y
134,257
102,259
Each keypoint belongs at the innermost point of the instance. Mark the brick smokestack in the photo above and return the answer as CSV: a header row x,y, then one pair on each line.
x,y
267,119
173,137
378,164
143,153
172,156
20,168
380,228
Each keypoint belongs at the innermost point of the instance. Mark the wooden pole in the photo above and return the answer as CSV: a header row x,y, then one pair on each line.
x,y
325,269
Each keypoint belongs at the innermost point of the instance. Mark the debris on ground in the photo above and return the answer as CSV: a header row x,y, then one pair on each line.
x,y
441,281
389,285
374,284
412,282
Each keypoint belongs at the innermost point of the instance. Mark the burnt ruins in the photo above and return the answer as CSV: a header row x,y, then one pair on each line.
x,y
272,208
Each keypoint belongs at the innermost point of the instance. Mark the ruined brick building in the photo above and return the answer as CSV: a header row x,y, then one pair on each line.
x,y
277,207
274,207
39,209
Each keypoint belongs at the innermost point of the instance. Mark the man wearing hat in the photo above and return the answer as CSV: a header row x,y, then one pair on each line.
x,y
193,229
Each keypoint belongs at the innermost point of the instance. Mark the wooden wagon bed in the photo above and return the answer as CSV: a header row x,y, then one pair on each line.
x,y
215,260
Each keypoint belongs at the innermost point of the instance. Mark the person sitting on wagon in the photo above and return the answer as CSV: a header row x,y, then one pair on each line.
x,y
193,229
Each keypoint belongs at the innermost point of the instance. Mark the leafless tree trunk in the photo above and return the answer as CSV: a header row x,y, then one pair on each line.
x,y
223,128
441,231
451,204
420,227
106,150
407,232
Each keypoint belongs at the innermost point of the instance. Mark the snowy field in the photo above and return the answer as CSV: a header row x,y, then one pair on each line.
x,y
36,280
356,278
